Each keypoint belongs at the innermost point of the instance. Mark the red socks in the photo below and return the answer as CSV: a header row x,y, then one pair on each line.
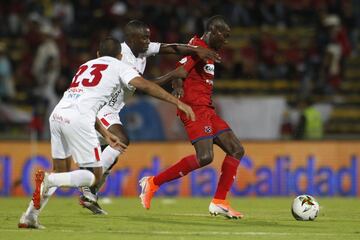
x,y
179,169
228,174
190,163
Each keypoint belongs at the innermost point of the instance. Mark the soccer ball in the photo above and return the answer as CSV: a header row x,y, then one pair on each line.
x,y
305,208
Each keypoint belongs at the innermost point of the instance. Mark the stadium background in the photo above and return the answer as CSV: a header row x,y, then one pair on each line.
x,y
277,58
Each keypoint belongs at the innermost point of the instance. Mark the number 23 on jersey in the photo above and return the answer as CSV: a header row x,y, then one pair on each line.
x,y
95,73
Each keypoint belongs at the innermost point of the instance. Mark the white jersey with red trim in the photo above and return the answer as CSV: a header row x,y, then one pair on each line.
x,y
109,114
73,119
139,63
96,83
116,103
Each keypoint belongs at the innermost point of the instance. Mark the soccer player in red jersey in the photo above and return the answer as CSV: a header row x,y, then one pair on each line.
x,y
208,128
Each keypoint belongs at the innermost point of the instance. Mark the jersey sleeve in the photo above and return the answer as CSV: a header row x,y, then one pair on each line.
x,y
127,73
154,48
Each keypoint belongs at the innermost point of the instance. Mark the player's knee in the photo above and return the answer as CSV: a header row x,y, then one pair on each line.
x,y
205,159
239,152
125,140
58,168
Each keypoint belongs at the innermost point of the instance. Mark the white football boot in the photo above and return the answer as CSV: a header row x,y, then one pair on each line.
x,y
29,221
222,207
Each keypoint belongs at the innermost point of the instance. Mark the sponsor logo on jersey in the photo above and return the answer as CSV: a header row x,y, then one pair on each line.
x,y
59,118
113,98
209,68
74,93
207,129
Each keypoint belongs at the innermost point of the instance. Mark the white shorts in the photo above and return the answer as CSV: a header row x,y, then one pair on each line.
x,y
73,134
108,116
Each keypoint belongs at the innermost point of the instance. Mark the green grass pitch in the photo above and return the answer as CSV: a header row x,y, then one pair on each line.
x,y
182,218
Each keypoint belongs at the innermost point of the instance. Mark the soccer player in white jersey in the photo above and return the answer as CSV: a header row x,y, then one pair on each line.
x,y
72,122
135,50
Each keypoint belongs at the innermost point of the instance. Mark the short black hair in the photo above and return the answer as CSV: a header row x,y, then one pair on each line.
x,y
133,26
109,47
213,21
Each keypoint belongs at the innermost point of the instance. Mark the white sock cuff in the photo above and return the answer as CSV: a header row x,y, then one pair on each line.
x,y
77,178
108,157
81,178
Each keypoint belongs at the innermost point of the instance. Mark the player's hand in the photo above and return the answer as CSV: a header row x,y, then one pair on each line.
x,y
178,92
115,142
186,109
206,53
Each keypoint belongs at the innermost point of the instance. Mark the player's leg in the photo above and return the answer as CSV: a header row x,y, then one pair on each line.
x,y
201,136
108,158
229,143
109,155
204,156
74,134
61,163
29,219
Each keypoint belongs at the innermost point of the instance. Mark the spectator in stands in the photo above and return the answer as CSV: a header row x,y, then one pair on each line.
x,y
268,52
336,53
310,125
46,69
249,60
273,13
32,33
248,13
86,21
7,89
294,59
351,23
64,10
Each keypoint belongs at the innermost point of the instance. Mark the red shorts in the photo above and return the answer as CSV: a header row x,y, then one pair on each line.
x,y
207,124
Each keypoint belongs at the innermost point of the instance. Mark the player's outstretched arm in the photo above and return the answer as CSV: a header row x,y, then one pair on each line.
x,y
110,138
185,49
177,83
156,91
170,76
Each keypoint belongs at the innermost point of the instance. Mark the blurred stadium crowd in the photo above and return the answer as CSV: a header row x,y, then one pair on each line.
x,y
295,48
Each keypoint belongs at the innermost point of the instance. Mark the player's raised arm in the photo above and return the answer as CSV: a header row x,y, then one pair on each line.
x,y
186,49
156,91
177,73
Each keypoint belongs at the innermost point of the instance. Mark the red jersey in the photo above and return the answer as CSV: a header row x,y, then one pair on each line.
x,y
198,86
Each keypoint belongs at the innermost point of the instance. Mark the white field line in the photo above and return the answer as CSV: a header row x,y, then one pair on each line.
x,y
185,233
191,214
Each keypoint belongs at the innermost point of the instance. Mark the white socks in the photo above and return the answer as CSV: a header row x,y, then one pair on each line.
x,y
77,178
31,210
108,157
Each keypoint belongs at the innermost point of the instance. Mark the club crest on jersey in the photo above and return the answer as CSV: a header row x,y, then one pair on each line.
x,y
207,129
209,69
